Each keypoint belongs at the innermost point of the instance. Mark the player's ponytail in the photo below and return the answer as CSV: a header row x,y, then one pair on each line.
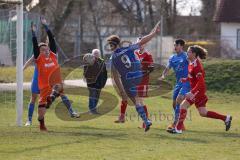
x,y
114,40
199,51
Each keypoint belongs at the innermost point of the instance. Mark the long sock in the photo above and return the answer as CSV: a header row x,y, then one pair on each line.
x,y
41,121
67,103
54,95
146,110
176,113
30,111
214,115
182,117
142,114
123,107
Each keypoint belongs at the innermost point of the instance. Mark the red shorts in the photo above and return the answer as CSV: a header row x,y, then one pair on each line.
x,y
44,93
142,90
200,100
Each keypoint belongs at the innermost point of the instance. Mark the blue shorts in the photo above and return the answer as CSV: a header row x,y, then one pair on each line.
x,y
181,89
34,86
130,86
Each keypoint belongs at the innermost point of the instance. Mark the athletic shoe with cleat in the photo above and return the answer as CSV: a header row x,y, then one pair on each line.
x,y
121,119
172,126
43,128
175,131
228,122
143,126
28,123
147,125
75,115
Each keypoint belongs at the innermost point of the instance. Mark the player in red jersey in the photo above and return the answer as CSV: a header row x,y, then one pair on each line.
x,y
147,66
197,95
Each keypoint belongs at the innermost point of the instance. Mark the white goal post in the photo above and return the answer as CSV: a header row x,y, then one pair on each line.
x,y
19,63
19,57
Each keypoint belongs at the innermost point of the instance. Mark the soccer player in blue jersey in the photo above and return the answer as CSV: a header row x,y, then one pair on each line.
x,y
35,92
179,63
127,72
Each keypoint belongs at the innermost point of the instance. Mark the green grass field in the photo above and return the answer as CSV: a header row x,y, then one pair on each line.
x,y
102,139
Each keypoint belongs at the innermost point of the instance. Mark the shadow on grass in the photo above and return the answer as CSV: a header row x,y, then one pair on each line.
x,y
176,137
87,134
25,149
94,128
109,102
186,138
222,134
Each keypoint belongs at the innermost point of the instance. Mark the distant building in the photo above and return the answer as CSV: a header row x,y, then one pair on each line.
x,y
228,15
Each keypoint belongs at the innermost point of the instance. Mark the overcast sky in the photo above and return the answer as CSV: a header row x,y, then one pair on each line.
x,y
185,7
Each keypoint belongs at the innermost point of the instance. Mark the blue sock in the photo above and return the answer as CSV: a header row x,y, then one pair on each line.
x,y
67,103
176,113
142,113
30,111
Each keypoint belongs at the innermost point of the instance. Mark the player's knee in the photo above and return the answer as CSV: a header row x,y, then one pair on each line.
x,y
58,88
33,99
179,99
203,113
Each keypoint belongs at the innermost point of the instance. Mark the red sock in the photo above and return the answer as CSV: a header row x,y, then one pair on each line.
x,y
145,109
215,115
182,117
123,107
41,121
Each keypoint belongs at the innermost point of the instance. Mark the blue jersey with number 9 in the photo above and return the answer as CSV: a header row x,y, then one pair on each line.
x,y
128,66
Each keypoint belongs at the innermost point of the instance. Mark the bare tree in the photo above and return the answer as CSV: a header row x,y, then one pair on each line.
x,y
150,10
96,22
207,12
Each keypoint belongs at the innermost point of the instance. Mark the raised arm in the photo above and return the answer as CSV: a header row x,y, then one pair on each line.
x,y
28,63
52,43
148,37
36,50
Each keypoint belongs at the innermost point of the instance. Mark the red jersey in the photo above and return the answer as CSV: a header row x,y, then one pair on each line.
x,y
47,68
196,75
146,61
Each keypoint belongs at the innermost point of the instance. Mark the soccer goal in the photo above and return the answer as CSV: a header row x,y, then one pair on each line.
x,y
19,58
16,48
